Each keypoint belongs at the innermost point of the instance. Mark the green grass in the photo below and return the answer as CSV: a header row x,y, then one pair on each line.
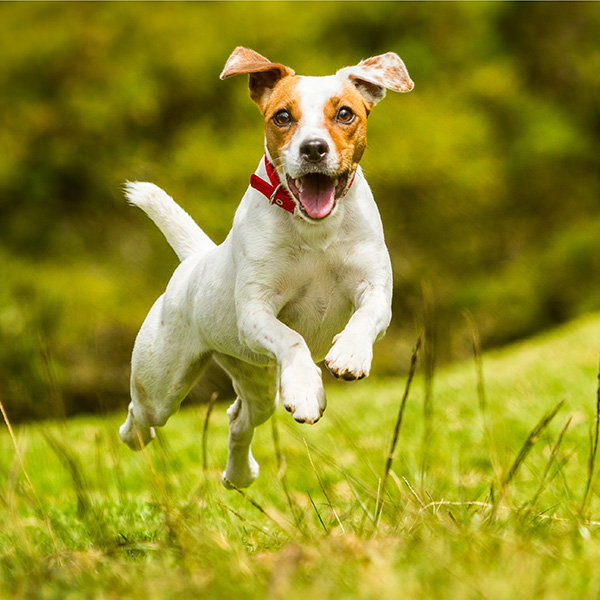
x,y
488,500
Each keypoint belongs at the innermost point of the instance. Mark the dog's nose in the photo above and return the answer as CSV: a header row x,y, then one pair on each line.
x,y
314,150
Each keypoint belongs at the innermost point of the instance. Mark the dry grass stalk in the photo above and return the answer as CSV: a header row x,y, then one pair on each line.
x,y
429,363
209,409
41,506
593,451
390,457
481,393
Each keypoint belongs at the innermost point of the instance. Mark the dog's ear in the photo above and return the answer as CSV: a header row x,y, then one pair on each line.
x,y
373,76
264,74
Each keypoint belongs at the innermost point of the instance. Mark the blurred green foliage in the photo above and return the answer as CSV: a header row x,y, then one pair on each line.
x,y
487,174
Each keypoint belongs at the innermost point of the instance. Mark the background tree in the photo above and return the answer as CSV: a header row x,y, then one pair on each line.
x,y
487,174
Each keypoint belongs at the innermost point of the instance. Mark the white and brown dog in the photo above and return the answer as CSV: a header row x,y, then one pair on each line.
x,y
304,274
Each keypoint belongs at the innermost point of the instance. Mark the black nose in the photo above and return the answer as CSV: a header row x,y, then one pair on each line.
x,y
314,150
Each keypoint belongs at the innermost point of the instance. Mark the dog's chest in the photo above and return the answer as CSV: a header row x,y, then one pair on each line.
x,y
316,299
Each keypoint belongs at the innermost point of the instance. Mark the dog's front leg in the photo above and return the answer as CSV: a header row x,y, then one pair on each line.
x,y
352,351
301,386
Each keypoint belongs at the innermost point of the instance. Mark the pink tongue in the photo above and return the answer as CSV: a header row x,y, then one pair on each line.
x,y
317,195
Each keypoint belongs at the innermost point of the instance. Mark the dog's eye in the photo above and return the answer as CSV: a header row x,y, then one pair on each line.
x,y
282,117
345,115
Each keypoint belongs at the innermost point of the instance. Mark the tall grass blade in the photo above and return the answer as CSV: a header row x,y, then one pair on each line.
x,y
318,514
281,474
413,492
72,464
359,500
56,397
172,517
41,506
209,409
243,519
542,485
117,468
256,505
159,485
593,451
481,392
429,362
477,354
390,458
312,464
531,440
529,443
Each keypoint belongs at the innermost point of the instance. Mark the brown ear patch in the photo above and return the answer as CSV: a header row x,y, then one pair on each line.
x,y
373,76
389,70
244,61
264,74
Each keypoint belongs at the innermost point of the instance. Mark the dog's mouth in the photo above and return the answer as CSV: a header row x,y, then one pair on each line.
x,y
317,193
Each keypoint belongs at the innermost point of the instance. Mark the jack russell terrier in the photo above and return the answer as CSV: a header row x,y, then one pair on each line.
x,y
304,274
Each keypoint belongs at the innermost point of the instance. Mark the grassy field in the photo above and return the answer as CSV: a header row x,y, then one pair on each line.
x,y
492,493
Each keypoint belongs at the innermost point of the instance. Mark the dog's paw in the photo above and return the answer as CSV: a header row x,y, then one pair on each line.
x,y
302,392
136,436
240,476
349,357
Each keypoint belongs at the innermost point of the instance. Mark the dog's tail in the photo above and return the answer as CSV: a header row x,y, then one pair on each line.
x,y
181,231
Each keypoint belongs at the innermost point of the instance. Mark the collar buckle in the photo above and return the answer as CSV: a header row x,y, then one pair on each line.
x,y
274,199
273,189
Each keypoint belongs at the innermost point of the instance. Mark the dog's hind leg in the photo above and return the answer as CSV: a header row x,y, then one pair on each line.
x,y
256,389
166,363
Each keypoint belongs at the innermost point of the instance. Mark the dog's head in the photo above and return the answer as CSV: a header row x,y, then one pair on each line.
x,y
316,126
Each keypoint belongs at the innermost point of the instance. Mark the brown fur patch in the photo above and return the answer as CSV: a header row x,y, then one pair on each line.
x,y
285,96
388,70
350,139
264,74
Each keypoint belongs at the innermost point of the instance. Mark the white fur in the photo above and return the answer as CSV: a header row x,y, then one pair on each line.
x,y
314,93
277,296
182,233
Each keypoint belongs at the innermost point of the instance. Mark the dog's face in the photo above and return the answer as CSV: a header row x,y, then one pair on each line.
x,y
315,127
315,130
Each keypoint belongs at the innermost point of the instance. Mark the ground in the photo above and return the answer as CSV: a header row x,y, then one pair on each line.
x,y
492,493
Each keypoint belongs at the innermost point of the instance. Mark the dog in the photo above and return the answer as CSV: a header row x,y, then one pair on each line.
x,y
303,276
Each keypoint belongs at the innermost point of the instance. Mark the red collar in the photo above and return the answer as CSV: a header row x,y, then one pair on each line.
x,y
273,191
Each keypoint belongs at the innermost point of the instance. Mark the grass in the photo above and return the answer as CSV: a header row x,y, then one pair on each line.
x,y
505,506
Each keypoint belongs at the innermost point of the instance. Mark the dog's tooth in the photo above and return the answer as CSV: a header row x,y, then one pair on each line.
x,y
336,181
298,183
